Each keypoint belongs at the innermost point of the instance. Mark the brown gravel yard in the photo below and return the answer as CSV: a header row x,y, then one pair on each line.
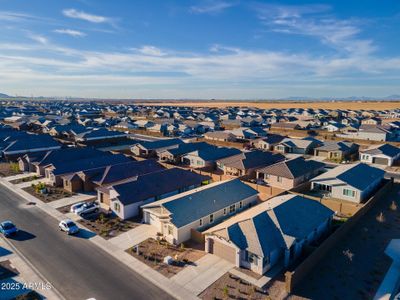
x,y
152,253
53,193
356,267
24,179
231,287
108,226
9,169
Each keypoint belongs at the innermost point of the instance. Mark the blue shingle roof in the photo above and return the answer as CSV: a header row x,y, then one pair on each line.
x,y
192,207
361,176
157,184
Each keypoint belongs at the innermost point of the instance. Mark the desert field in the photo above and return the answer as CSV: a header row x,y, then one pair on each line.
x,y
367,105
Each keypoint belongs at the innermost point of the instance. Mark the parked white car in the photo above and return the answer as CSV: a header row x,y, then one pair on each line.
x,y
76,206
88,208
68,226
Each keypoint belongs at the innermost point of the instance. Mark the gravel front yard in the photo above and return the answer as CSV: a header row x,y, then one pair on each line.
x,y
152,253
231,287
108,226
9,169
53,193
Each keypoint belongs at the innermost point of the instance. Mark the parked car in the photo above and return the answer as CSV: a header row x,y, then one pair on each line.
x,y
68,226
76,206
88,208
7,228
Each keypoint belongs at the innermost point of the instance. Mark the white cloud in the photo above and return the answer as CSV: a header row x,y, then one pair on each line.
x,y
38,38
150,50
312,20
76,14
71,32
211,7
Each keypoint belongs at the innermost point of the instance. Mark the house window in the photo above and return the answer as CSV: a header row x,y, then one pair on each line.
x,y
117,207
224,211
201,222
278,178
211,218
349,193
252,258
232,208
170,230
240,204
66,182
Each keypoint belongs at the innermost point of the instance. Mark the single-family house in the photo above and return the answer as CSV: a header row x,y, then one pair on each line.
x,y
385,154
336,150
207,157
149,149
297,146
222,136
176,217
290,173
125,199
351,182
273,232
268,142
246,163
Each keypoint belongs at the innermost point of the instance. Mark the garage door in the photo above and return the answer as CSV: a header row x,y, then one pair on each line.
x,y
380,160
226,252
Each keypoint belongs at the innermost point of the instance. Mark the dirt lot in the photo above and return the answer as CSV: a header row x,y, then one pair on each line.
x,y
152,253
53,193
284,104
108,226
232,287
356,267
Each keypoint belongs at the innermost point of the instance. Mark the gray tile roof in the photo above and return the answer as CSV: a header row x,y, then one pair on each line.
x,y
198,204
292,168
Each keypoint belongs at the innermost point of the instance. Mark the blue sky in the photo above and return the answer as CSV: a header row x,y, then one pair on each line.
x,y
199,49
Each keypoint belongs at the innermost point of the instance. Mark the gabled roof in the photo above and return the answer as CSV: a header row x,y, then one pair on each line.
x,y
252,159
69,155
184,148
385,149
30,142
89,163
359,176
118,172
298,143
292,168
274,224
156,184
160,144
195,204
336,146
214,153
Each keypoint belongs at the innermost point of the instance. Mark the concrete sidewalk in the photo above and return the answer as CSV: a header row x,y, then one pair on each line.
x,y
205,272
134,236
19,176
71,200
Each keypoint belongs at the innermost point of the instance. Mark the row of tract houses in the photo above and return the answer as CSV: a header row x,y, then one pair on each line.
x,y
168,183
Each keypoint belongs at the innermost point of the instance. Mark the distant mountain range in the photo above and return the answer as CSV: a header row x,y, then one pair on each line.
x,y
293,98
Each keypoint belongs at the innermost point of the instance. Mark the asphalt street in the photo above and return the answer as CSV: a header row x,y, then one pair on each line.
x,y
77,268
